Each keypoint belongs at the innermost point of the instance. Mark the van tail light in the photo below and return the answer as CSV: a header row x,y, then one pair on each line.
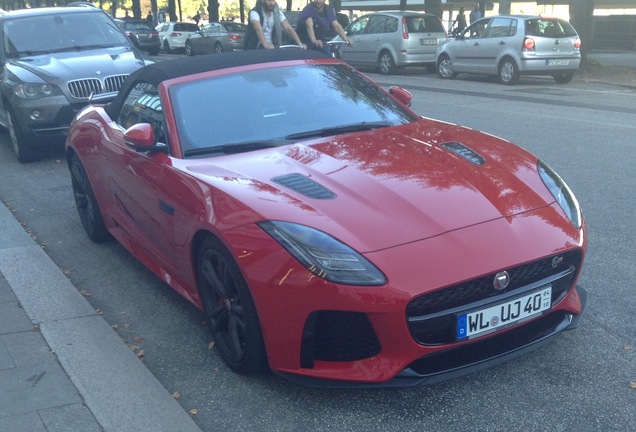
x,y
577,43
405,30
528,44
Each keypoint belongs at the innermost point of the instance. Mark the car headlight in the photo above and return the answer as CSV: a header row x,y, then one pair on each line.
x,y
323,255
561,193
35,91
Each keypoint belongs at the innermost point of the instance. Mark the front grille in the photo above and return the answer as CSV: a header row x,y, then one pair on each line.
x,y
432,317
82,89
338,336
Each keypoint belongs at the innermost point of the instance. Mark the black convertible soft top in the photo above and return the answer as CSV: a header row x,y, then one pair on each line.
x,y
157,72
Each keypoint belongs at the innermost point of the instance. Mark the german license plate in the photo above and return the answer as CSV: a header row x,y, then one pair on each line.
x,y
503,315
560,62
432,41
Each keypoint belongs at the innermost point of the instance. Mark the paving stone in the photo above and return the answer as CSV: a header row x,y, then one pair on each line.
x,y
13,319
29,422
27,348
6,295
69,418
36,387
6,361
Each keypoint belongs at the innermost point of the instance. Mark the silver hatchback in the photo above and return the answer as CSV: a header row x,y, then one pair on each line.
x,y
389,40
509,46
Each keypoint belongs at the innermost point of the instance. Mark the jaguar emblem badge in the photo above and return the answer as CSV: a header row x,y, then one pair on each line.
x,y
501,281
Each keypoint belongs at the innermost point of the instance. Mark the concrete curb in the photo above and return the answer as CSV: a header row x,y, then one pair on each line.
x,y
114,384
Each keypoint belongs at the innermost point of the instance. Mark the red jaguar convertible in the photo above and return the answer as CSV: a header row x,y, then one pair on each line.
x,y
328,232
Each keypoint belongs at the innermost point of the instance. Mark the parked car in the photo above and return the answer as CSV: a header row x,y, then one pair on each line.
x,y
217,37
390,40
141,33
509,46
173,35
53,60
336,234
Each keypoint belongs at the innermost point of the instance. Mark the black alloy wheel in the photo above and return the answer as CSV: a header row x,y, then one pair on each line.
x,y
229,309
86,203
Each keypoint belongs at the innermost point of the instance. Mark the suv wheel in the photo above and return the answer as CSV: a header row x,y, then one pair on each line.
x,y
24,149
508,72
386,65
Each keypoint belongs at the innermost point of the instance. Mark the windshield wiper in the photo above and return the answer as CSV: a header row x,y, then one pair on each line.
x,y
29,53
354,127
235,148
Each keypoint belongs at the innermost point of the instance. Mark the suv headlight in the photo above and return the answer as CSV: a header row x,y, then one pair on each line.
x,y
561,193
323,255
35,91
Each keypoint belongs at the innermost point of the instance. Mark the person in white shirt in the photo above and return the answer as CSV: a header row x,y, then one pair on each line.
x,y
266,23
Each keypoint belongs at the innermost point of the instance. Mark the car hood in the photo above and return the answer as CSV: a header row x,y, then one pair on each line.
x,y
59,68
384,188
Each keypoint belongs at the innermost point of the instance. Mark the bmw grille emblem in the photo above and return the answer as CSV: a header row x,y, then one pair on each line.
x,y
501,281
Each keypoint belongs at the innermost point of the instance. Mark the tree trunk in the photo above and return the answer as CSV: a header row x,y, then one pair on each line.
x,y
504,7
136,9
433,7
581,17
213,10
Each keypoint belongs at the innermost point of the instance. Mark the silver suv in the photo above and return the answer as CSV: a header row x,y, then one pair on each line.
x,y
52,61
512,45
389,40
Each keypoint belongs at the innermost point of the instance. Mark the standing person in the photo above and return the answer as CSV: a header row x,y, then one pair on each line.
x,y
475,14
315,23
266,23
460,20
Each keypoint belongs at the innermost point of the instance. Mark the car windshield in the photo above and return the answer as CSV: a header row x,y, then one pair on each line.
x,y
60,32
278,105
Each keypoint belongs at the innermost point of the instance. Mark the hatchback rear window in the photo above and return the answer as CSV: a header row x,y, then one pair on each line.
x,y
553,28
424,23
186,27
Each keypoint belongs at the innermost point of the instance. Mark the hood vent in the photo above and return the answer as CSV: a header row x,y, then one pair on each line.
x,y
305,186
467,153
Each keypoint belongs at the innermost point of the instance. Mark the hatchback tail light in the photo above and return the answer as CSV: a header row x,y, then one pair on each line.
x,y
405,30
577,43
175,34
528,44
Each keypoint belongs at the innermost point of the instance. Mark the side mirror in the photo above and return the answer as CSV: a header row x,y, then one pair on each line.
x,y
401,95
141,137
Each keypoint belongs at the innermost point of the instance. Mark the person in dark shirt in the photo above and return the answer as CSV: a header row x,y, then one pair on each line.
x,y
316,23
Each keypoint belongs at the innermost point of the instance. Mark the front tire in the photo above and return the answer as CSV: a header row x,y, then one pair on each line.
x,y
445,68
508,72
24,148
563,78
229,309
86,203
386,65
188,48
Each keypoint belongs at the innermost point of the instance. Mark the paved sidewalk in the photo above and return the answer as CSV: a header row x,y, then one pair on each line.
x,y
62,367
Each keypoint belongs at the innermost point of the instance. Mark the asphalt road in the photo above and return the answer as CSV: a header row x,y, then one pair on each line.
x,y
579,382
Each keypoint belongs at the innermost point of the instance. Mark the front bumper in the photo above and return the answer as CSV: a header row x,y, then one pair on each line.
x,y
456,362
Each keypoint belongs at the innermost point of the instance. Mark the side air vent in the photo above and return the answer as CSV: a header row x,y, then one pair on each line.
x,y
467,153
305,186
